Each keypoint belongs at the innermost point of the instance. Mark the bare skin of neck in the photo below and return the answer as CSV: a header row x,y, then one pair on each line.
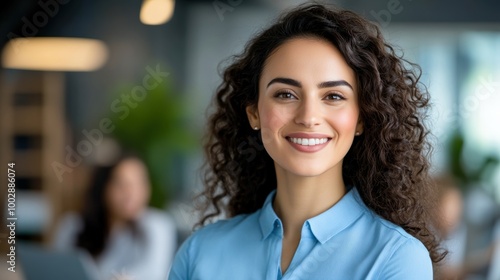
x,y
116,224
299,198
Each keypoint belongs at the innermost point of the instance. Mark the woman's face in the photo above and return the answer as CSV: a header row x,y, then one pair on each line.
x,y
308,109
127,194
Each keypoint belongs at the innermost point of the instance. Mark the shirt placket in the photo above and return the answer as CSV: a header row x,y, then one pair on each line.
x,y
276,238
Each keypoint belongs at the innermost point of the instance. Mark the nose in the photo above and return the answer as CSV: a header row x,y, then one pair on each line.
x,y
308,113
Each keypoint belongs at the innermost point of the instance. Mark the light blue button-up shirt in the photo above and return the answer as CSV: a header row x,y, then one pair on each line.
x,y
347,241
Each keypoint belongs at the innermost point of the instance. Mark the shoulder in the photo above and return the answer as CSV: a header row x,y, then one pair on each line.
x,y
406,256
156,215
222,234
224,230
157,221
409,260
383,229
70,223
220,237
395,234
67,229
391,229
403,255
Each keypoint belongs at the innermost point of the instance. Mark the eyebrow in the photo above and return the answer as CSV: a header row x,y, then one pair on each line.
x,y
296,83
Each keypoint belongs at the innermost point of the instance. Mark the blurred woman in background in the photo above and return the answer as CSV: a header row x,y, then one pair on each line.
x,y
451,227
125,238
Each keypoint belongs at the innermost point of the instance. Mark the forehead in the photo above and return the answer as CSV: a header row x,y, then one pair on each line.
x,y
307,59
128,165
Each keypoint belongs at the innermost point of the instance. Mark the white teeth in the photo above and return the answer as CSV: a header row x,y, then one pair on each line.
x,y
309,141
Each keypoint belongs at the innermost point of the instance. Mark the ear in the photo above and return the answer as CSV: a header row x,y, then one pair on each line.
x,y
253,116
359,126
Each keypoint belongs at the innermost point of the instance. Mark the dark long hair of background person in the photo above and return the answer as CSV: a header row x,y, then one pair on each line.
x,y
95,214
388,163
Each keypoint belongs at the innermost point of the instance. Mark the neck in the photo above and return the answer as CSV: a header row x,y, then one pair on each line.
x,y
299,198
115,223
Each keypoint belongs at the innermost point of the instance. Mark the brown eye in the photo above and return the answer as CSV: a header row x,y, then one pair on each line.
x,y
285,95
334,97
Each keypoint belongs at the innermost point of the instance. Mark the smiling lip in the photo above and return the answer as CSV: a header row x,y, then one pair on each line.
x,y
307,148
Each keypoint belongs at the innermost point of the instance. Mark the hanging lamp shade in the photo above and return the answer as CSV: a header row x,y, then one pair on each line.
x,y
156,12
54,54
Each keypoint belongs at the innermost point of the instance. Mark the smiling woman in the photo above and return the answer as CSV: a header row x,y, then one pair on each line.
x,y
341,188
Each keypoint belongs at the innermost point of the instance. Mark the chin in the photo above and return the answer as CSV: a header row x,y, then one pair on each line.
x,y
131,216
309,173
306,170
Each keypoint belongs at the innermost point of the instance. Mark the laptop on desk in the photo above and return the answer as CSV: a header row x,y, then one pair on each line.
x,y
38,263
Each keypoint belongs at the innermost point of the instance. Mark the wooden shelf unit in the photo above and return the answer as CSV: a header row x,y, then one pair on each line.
x,y
33,135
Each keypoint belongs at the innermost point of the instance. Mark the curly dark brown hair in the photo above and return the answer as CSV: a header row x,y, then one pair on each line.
x,y
388,163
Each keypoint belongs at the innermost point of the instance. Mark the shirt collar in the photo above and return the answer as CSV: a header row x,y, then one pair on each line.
x,y
323,226
268,218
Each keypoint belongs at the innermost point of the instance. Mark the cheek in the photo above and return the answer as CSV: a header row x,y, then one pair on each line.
x,y
272,119
345,121
271,114
139,196
114,200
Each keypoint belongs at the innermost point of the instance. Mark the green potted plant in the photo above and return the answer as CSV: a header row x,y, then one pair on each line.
x,y
157,129
466,175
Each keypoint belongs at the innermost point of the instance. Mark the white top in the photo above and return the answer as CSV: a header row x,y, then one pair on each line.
x,y
126,256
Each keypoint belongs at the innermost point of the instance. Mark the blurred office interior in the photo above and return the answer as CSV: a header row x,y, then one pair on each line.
x,y
138,79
